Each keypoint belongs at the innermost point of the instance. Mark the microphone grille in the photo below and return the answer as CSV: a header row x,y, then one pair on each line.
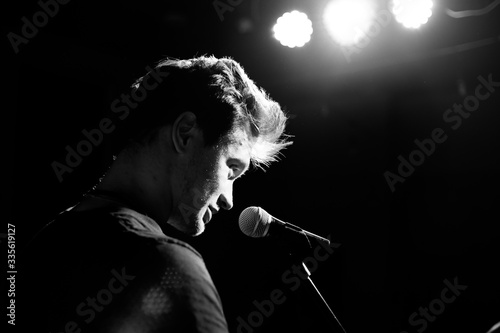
x,y
254,222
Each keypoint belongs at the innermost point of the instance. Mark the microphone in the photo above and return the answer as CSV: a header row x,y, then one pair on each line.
x,y
256,222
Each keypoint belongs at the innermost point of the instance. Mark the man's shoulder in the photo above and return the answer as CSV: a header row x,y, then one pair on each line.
x,y
118,226
144,226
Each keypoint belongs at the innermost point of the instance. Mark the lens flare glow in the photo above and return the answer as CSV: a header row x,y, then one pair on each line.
x,y
412,13
348,21
293,29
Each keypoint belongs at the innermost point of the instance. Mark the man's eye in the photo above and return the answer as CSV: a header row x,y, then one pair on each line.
x,y
234,169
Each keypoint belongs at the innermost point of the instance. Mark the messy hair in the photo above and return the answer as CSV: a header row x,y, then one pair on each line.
x,y
223,98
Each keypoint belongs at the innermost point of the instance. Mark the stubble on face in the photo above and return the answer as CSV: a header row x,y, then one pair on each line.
x,y
204,174
198,186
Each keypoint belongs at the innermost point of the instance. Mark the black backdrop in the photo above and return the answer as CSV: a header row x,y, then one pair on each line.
x,y
351,118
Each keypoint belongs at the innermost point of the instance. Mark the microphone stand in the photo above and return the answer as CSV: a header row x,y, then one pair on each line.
x,y
327,311
297,254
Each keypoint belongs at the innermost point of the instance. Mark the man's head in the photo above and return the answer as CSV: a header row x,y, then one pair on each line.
x,y
202,127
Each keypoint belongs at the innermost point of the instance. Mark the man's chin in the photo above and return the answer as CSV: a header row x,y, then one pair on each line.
x,y
198,229
190,227
195,228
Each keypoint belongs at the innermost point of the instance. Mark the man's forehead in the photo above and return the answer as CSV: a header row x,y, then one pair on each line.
x,y
240,143
240,137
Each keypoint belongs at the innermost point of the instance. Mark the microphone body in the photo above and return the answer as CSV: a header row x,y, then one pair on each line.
x,y
256,222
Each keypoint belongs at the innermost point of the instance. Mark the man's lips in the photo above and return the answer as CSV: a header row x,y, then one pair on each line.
x,y
208,216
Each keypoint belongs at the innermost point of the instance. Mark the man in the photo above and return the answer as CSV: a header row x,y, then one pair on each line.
x,y
113,262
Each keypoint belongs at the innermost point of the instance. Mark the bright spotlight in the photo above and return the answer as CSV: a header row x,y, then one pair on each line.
x,y
293,29
348,21
412,13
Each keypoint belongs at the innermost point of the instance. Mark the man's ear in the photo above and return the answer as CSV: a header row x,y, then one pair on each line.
x,y
184,130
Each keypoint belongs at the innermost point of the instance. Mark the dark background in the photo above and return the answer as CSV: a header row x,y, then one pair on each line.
x,y
350,120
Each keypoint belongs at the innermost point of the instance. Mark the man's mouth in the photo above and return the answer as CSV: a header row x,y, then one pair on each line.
x,y
208,216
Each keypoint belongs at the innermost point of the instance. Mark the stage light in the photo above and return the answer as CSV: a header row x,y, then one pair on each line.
x,y
293,29
348,21
412,13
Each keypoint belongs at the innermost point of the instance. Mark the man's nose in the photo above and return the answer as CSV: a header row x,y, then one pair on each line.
x,y
225,200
